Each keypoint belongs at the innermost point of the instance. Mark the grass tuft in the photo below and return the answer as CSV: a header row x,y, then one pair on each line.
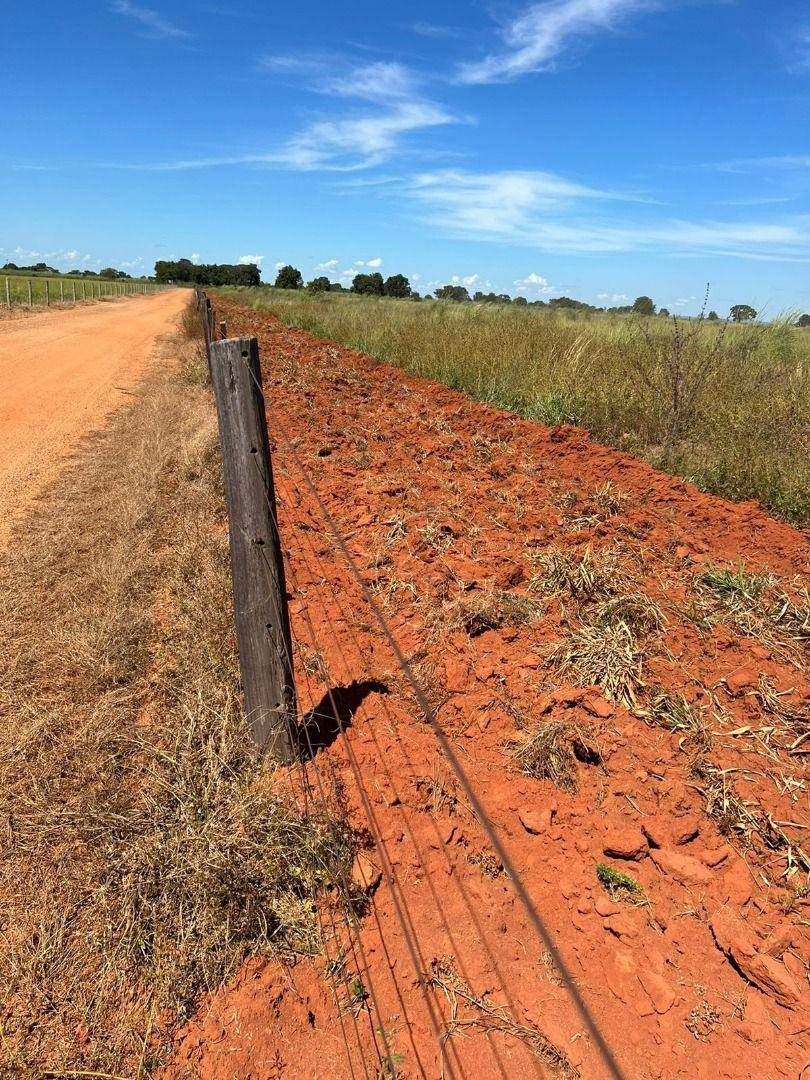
x,y
551,750
618,883
603,655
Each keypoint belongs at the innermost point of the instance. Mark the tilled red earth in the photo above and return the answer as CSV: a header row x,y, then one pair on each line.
x,y
449,508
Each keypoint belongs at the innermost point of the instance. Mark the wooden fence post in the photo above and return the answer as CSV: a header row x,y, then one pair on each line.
x,y
257,567
8,294
47,293
73,284
30,297
61,291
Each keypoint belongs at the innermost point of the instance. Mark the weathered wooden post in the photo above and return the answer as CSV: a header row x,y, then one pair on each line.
x,y
73,286
223,331
257,566
30,297
8,294
61,291
47,294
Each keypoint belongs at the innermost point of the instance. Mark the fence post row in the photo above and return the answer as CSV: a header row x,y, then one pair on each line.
x,y
257,566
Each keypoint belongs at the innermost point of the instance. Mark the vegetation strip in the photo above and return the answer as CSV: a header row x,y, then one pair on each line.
x,y
722,406
145,851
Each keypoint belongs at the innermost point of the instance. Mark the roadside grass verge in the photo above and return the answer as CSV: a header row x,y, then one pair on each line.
x,y
144,851
723,407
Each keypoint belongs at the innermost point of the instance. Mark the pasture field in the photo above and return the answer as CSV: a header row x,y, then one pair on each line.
x,y
724,406
41,288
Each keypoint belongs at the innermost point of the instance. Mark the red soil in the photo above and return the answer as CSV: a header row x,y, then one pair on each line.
x,y
441,498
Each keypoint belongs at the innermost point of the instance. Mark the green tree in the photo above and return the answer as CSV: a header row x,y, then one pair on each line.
x,y
319,284
713,316
743,313
457,293
289,277
368,284
664,313
643,305
521,301
397,286
803,320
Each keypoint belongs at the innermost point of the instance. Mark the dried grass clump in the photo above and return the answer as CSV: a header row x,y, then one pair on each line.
x,y
676,714
550,751
757,606
603,655
145,850
489,609
582,577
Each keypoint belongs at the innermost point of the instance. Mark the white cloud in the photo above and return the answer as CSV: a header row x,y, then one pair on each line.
x,y
535,283
684,301
328,266
131,264
374,263
359,142
195,256
547,212
280,265
374,82
536,38
151,21
246,260
470,281
613,298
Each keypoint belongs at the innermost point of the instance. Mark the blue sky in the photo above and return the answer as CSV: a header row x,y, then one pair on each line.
x,y
597,148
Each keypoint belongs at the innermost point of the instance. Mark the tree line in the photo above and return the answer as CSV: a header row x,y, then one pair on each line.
x,y
398,286
186,272
108,273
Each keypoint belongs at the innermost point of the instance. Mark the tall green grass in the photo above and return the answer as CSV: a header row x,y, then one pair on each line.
x,y
723,406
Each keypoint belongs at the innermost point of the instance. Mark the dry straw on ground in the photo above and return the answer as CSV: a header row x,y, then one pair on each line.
x,y
143,850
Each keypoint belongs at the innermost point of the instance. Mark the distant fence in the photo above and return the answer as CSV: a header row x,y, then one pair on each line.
x,y
19,291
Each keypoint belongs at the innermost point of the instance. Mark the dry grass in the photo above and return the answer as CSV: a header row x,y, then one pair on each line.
x,y
581,577
605,655
747,823
485,609
758,606
550,751
471,1012
144,849
676,714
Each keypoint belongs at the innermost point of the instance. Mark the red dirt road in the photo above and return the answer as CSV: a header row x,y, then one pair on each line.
x,y
61,372
444,503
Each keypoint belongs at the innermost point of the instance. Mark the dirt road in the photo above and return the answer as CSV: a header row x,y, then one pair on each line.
x,y
60,374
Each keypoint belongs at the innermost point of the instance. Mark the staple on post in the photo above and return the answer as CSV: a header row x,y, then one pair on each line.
x,y
257,567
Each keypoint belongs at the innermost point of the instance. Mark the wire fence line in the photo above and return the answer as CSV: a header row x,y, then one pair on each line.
x,y
318,778
30,292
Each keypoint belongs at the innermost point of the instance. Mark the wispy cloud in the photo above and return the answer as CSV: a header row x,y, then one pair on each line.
x,y
250,260
150,21
533,41
345,143
552,214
